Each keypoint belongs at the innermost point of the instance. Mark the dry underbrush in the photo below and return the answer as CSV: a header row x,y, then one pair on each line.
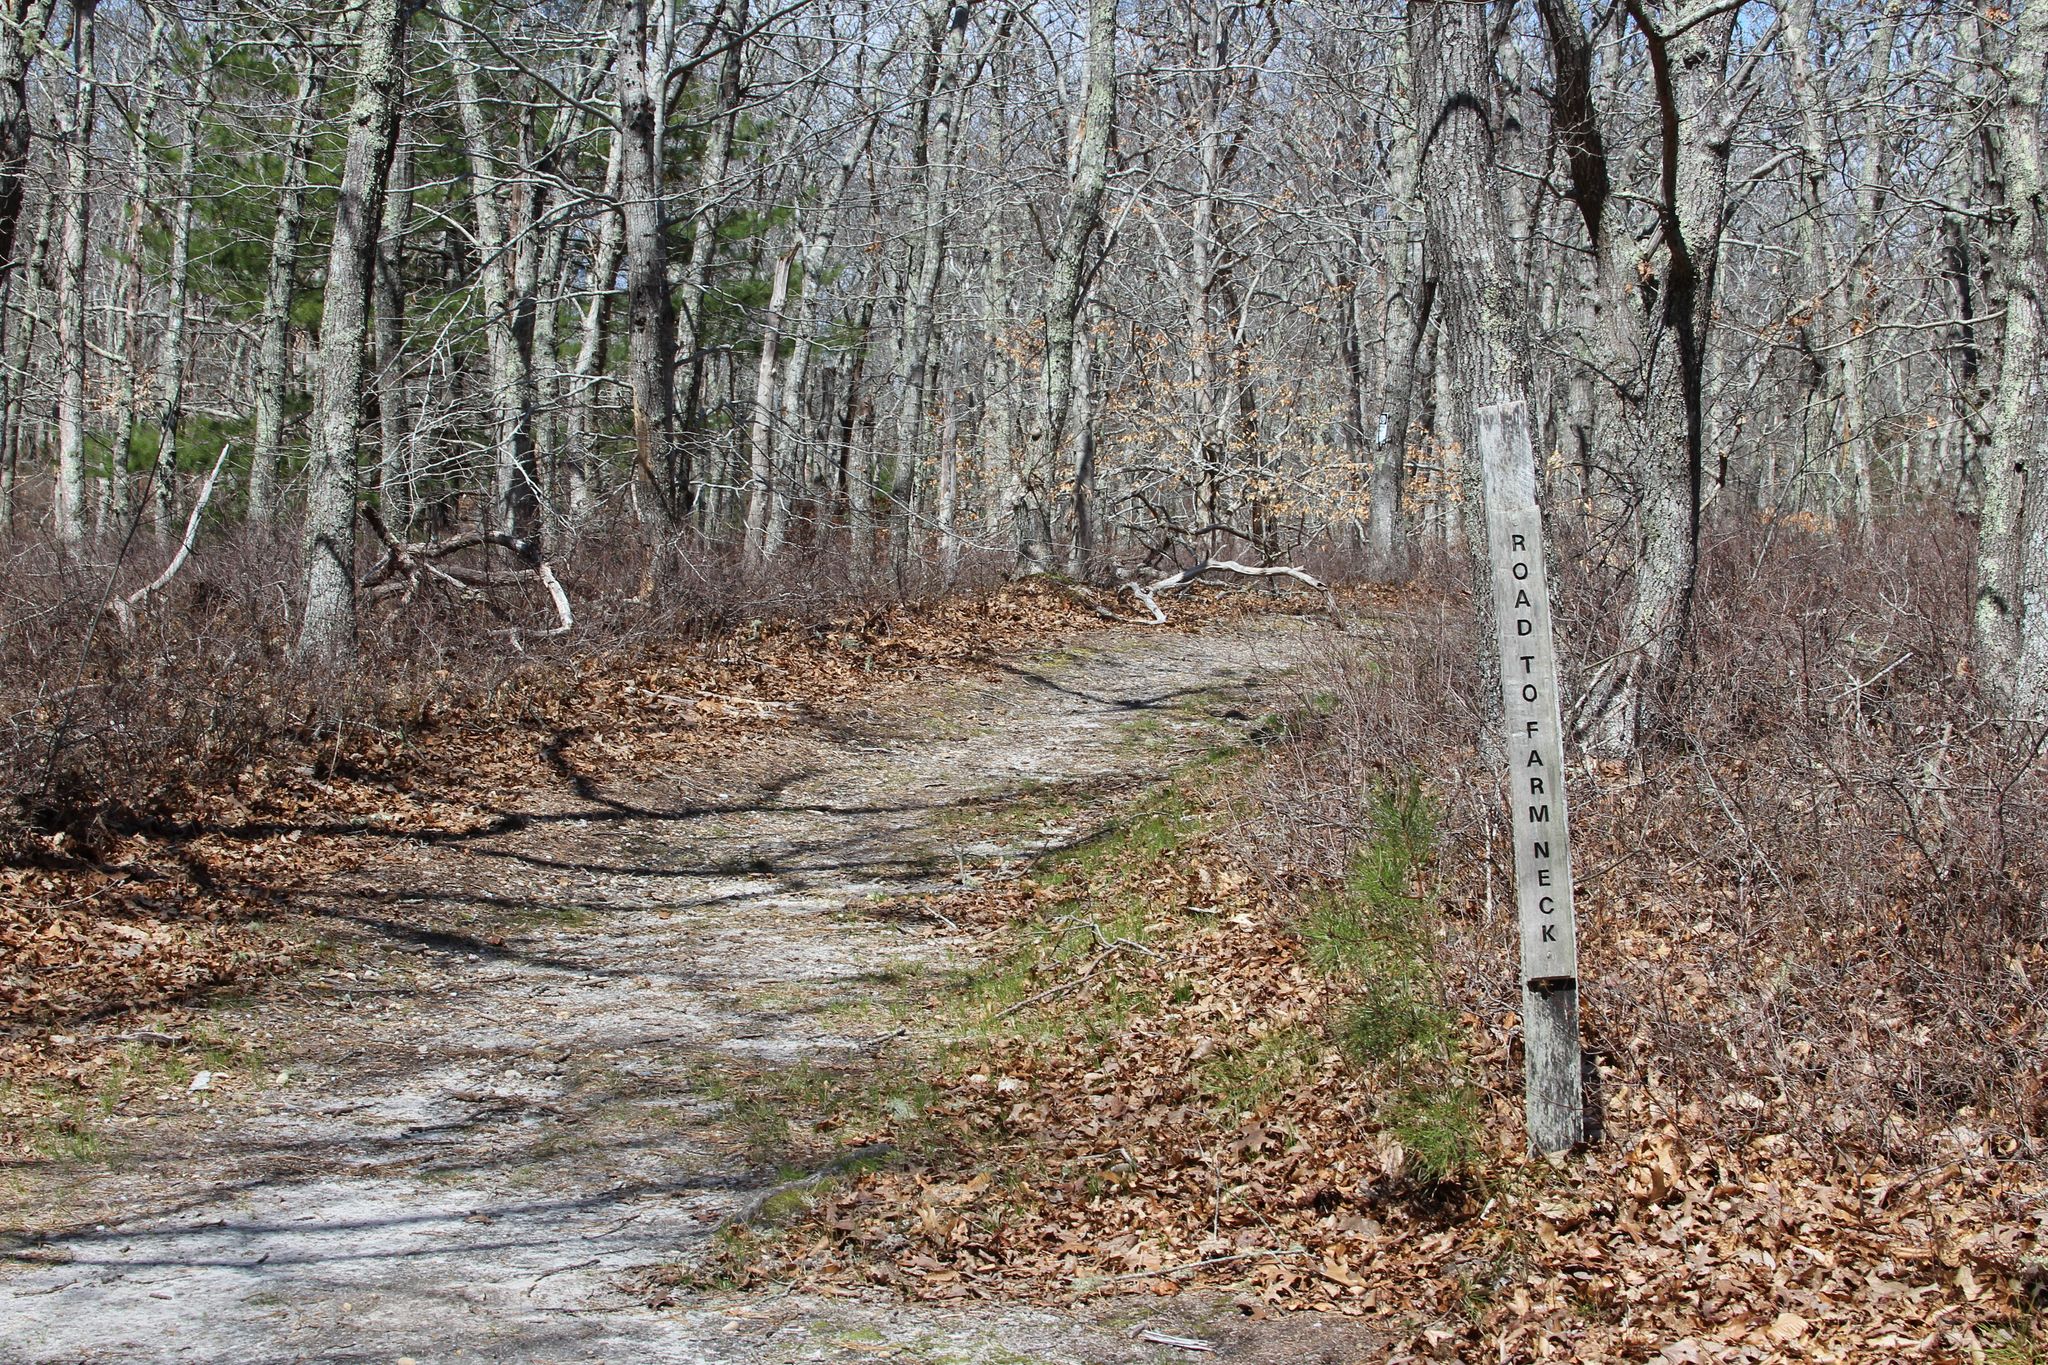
x,y
1819,905
1282,1054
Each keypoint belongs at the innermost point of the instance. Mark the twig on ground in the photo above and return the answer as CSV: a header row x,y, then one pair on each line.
x,y
1184,1343
1148,596
1267,1255
1087,972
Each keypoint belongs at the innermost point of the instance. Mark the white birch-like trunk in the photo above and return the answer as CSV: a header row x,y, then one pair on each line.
x,y
170,413
579,425
141,164
75,129
761,472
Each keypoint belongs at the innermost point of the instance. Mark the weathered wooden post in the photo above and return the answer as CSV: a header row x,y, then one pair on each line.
x,y
1535,758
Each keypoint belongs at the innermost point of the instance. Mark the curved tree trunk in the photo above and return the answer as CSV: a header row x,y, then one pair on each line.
x,y
1658,303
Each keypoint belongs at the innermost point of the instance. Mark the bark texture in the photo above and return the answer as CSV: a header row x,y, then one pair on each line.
x,y
327,630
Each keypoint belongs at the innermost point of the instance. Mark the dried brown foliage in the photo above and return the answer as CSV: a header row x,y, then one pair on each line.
x,y
1826,884
1811,932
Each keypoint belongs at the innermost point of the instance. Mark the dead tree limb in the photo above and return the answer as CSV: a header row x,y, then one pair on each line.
x,y
126,609
407,564
1148,596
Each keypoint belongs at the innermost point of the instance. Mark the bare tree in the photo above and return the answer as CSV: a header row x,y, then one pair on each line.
x,y
273,365
76,129
327,630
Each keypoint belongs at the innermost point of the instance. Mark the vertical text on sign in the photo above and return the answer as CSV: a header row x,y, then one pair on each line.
x,y
1528,665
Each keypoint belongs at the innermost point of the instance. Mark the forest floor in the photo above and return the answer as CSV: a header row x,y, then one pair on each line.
x,y
530,1061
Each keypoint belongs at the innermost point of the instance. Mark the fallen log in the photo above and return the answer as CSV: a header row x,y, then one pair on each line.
x,y
1148,596
406,564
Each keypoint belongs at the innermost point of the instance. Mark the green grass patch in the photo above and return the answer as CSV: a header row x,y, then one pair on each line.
x,y
1376,931
2020,1345
1439,1128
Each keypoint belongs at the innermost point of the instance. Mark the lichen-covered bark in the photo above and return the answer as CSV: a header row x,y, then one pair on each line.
x,y
327,630
76,128
274,324
2011,607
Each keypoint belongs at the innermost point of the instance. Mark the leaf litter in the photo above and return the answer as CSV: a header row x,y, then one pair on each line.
x,y
1167,1096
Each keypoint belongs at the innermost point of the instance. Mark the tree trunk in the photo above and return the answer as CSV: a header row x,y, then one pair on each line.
x,y
1658,307
23,290
1081,547
2011,610
327,632
76,130
578,434
1859,337
170,414
1472,258
1070,268
508,303
761,472
704,219
21,35
141,163
789,444
273,364
1819,334
650,335
941,97
394,465
1386,534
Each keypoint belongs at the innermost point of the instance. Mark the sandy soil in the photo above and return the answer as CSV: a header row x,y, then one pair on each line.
x,y
459,1140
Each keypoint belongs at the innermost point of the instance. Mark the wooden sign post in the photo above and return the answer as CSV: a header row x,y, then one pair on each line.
x,y
1535,760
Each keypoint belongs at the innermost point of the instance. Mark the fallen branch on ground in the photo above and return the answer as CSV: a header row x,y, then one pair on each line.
x,y
1149,596
406,564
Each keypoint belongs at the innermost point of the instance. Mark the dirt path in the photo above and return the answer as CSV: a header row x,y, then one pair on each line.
x,y
454,1143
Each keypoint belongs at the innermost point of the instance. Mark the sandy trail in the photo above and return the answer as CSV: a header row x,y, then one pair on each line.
x,y
456,1142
